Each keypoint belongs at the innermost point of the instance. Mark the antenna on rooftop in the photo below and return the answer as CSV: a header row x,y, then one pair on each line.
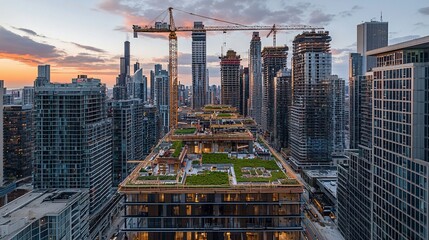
x,y
381,16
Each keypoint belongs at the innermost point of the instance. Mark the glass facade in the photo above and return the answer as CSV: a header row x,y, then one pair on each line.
x,y
73,138
214,215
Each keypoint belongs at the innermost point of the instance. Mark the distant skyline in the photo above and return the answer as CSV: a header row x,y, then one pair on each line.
x,y
86,37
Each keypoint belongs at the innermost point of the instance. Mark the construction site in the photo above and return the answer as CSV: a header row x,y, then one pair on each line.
x,y
204,180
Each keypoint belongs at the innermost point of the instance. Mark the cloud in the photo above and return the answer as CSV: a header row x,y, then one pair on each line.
x,y
424,11
94,49
341,51
402,39
250,12
81,58
421,24
350,12
29,31
24,49
320,18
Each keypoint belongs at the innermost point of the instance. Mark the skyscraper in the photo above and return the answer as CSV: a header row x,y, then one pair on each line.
x,y
120,89
28,95
162,97
230,79
137,87
311,63
355,78
401,141
128,136
151,128
274,59
245,91
282,103
1,131
152,85
255,77
73,146
199,78
43,75
355,178
370,35
335,103
18,141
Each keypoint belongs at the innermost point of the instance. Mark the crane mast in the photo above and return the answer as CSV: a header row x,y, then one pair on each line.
x,y
172,40
172,69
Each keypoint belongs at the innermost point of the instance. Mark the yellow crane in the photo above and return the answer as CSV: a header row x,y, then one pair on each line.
x,y
172,38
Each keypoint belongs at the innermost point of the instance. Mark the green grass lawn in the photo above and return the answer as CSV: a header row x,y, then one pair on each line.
x,y
215,158
224,115
208,178
222,158
184,131
156,177
177,145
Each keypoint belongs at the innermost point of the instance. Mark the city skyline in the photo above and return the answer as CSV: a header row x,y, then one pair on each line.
x,y
77,43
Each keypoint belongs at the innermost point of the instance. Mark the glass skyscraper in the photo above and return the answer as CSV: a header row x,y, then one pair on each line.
x,y
73,147
199,78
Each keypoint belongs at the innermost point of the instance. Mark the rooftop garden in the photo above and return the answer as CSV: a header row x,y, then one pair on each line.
x,y
208,178
224,115
177,146
259,170
184,131
215,106
159,177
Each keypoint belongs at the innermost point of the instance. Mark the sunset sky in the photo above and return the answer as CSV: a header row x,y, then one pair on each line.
x,y
86,37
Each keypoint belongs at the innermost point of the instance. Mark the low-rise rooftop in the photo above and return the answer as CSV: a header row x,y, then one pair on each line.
x,y
33,206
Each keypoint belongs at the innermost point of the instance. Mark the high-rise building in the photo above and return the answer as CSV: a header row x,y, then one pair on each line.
x,y
370,35
355,178
309,133
199,77
166,200
73,139
384,191
128,136
152,85
274,59
43,75
245,92
137,87
162,97
18,141
335,103
50,214
401,141
282,103
355,79
230,79
1,131
151,128
28,95
120,89
255,78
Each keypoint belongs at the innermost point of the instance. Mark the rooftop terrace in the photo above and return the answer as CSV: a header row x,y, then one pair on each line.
x,y
214,170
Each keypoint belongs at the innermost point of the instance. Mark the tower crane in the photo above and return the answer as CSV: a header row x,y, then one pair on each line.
x,y
172,39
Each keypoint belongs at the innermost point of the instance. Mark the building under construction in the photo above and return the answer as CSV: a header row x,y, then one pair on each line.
x,y
230,79
198,183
